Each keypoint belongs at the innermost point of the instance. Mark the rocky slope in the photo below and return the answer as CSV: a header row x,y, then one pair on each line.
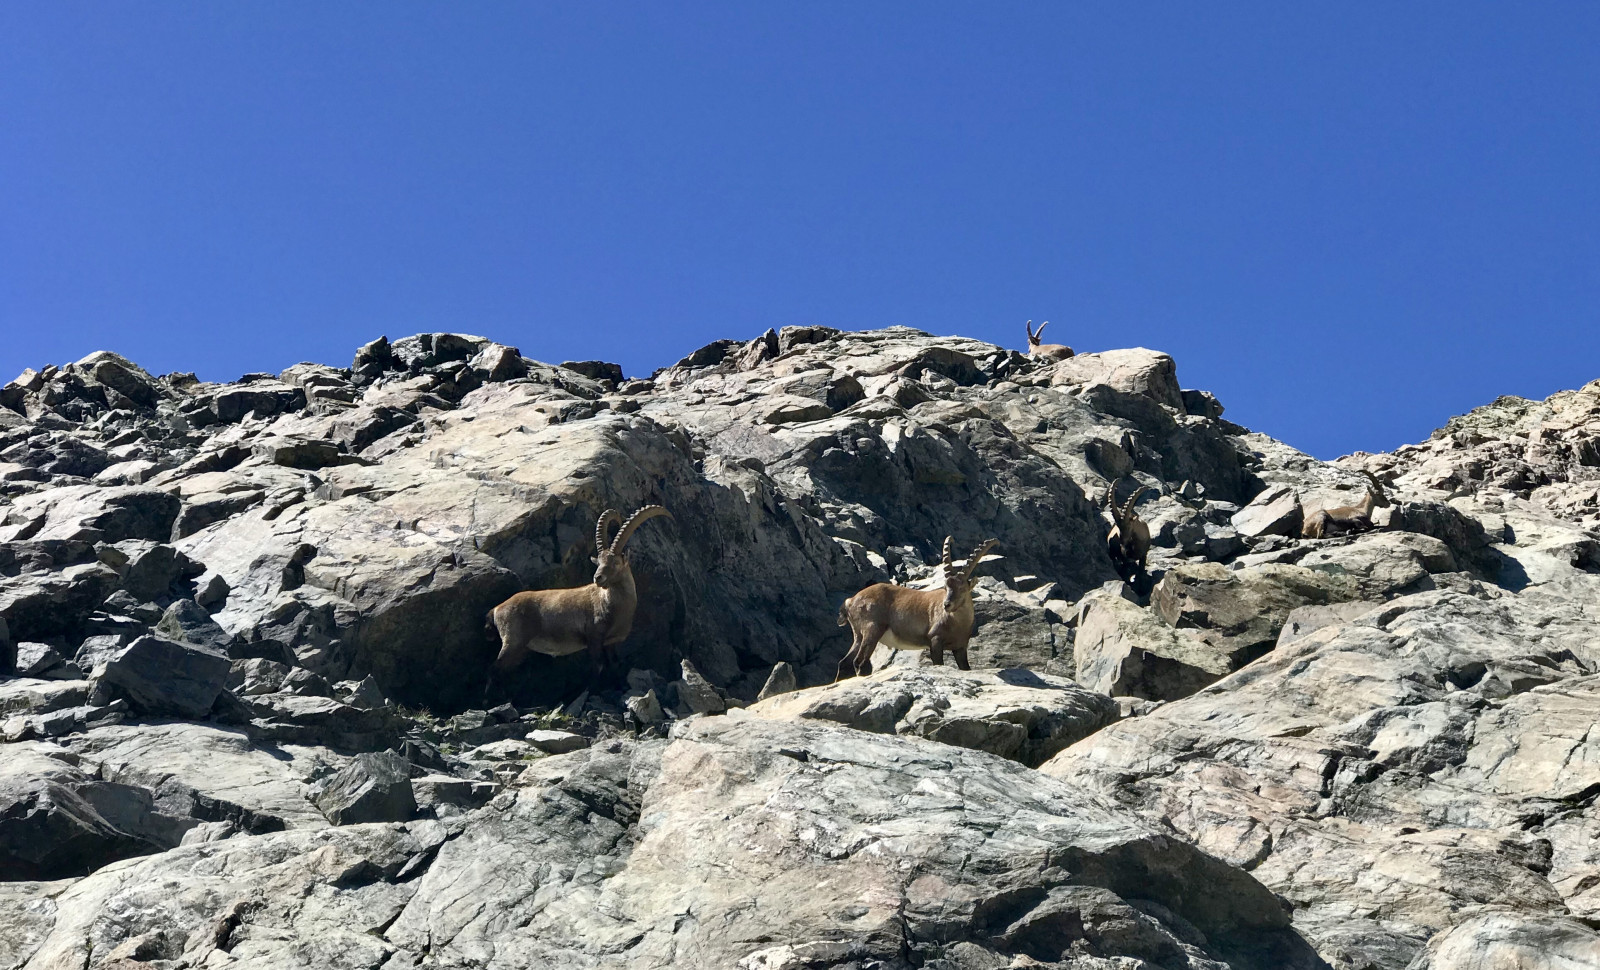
x,y
245,627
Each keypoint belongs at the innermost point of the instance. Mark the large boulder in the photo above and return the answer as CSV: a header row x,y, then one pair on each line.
x,y
124,377
1014,713
311,719
1384,564
1242,610
375,787
264,398
57,820
42,606
1496,940
149,569
1147,373
209,772
94,514
161,676
186,621
27,695
1123,649
1274,512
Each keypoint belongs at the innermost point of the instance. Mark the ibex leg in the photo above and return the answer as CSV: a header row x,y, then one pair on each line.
x,y
859,659
847,663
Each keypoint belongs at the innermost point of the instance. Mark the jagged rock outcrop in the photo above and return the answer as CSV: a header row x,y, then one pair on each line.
x,y
1014,713
246,625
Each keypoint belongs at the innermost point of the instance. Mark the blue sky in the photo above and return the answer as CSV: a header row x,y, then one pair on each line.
x,y
1348,221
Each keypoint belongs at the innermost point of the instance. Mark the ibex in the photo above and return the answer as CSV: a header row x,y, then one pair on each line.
x,y
913,619
1050,351
1346,518
557,622
1128,542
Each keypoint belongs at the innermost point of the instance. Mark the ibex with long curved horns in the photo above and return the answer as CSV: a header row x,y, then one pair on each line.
x,y
1346,518
1048,351
1128,542
913,619
596,617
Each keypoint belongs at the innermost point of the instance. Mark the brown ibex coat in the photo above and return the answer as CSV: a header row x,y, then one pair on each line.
x,y
596,617
913,619
1048,351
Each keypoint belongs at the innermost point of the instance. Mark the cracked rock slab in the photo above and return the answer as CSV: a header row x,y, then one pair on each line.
x,y
1014,713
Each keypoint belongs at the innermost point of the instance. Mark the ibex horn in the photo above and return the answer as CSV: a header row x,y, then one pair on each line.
x,y
607,517
1127,509
977,557
634,521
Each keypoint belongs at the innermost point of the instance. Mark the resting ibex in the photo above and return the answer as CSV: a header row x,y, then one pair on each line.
x,y
1128,542
913,619
557,622
1346,518
1037,349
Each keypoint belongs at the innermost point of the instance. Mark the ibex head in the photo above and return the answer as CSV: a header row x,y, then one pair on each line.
x,y
611,562
1034,335
1379,498
958,579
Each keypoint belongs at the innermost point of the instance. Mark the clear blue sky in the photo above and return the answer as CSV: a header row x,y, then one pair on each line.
x,y
1348,221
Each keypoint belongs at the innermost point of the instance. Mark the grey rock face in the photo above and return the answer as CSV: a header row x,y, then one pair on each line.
x,y
57,820
1499,940
263,398
1124,650
1013,713
1388,730
1336,767
1241,611
1275,512
36,659
160,676
780,681
644,838
375,787
695,692
613,844
209,772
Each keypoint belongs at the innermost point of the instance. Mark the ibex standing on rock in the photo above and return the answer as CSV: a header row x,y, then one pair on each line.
x,y
557,622
913,619
1128,542
1048,351
1346,518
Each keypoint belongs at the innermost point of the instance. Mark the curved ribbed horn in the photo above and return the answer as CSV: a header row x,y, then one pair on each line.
x,y
606,517
948,552
977,557
1127,509
1033,338
634,521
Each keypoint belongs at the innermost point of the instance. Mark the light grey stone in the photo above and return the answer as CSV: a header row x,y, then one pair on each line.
x,y
160,676
374,787
780,681
1275,512
1013,713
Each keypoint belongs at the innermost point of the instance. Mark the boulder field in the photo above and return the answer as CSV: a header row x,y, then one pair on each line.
x,y
243,658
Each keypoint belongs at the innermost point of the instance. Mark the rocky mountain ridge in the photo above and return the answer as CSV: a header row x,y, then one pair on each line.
x,y
245,623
